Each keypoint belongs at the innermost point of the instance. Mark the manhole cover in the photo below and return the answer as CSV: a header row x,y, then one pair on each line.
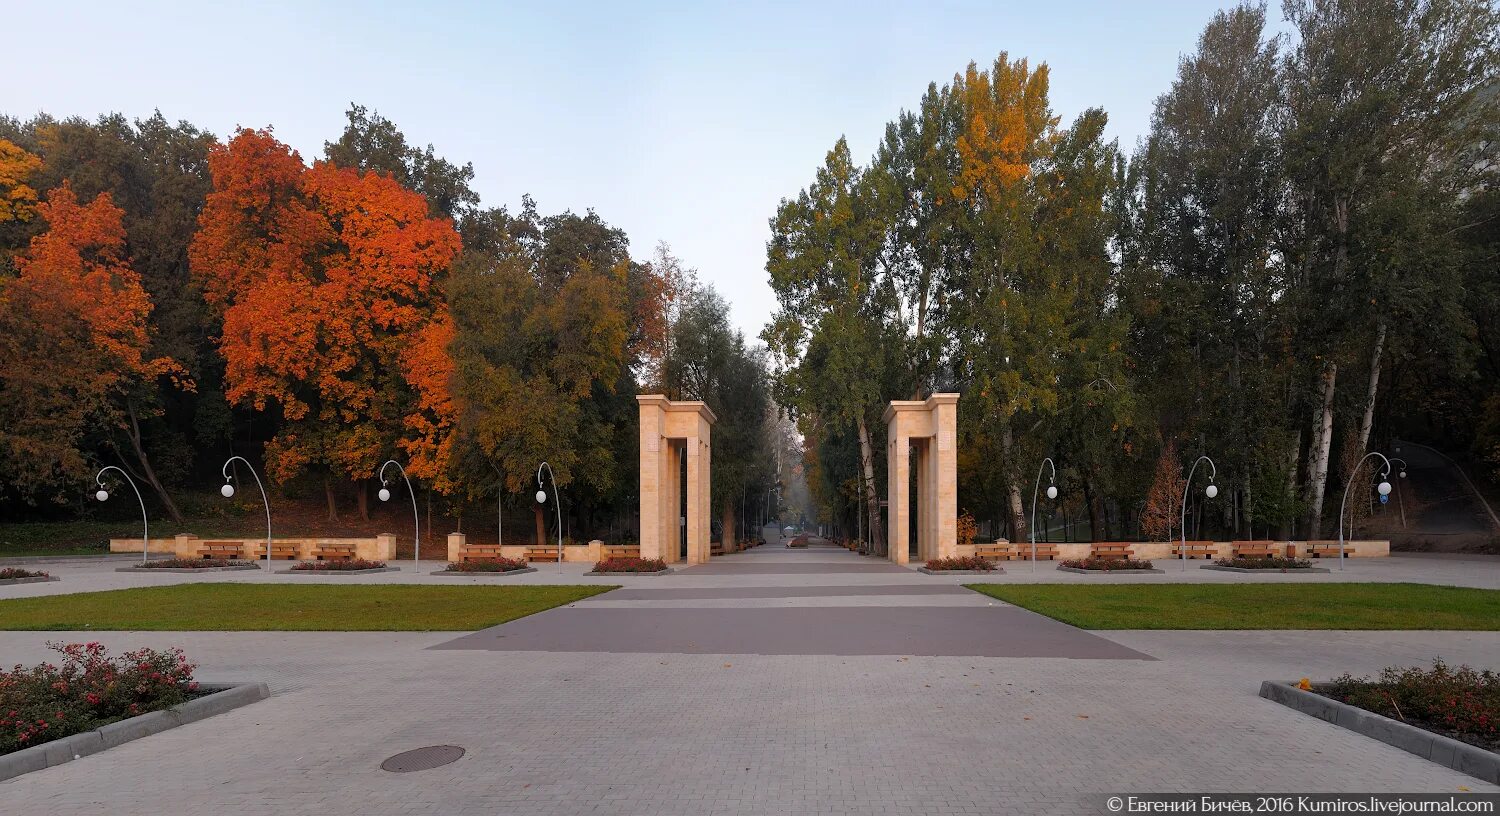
x,y
422,759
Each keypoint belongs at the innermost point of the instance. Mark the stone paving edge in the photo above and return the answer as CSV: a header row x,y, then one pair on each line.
x,y
35,579
1460,756
49,754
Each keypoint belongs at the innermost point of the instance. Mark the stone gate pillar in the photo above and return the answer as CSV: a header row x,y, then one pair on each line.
x,y
922,438
672,433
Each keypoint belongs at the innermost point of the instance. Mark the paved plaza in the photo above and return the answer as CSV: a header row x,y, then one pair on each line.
x,y
772,681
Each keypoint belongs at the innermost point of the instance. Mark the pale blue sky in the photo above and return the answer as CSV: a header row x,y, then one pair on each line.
x,y
678,122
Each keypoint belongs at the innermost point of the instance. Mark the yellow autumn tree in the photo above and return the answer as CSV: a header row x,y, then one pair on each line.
x,y
17,200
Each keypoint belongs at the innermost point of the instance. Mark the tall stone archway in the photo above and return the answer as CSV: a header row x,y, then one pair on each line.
x,y
674,435
922,437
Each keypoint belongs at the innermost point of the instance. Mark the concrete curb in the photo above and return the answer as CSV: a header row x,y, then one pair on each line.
x,y
337,571
67,749
35,579
1062,568
633,574
1252,571
1460,756
995,571
187,570
456,573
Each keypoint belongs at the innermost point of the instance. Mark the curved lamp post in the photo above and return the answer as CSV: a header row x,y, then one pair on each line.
x,y
1051,494
541,498
227,491
1211,491
385,495
103,495
1384,488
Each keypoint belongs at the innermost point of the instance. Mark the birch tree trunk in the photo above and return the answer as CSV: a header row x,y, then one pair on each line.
x,y
872,504
1368,420
1317,457
1012,487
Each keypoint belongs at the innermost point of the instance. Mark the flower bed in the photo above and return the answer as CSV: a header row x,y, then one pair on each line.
x,y
630,564
968,563
16,573
1096,564
1274,562
192,563
338,565
498,565
90,689
1461,703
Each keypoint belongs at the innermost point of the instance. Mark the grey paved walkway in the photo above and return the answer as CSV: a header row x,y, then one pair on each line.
x,y
858,728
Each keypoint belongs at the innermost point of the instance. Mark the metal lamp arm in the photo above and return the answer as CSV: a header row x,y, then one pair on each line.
x,y
145,520
416,517
264,499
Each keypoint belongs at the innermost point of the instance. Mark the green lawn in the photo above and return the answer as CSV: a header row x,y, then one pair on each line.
x,y
309,607
1257,606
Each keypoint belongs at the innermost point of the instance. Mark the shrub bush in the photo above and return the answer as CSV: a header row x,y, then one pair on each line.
x,y
192,563
498,565
338,565
90,689
1463,702
1107,564
7,573
966,562
630,564
1274,562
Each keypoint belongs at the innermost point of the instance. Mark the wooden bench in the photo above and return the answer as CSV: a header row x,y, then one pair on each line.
x,y
716,549
228,550
480,552
1196,549
1044,552
286,551
994,552
1112,550
1252,549
541,554
620,551
333,552
1328,549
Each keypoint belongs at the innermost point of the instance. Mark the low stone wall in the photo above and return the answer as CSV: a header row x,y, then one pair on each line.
x,y
588,553
1162,550
379,548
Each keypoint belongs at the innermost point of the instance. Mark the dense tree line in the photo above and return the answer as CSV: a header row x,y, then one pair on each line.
x,y
168,299
1298,262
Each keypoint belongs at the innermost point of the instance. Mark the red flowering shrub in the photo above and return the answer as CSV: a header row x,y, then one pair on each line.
x,y
338,565
90,689
1274,562
17,572
630,564
497,565
1463,703
966,562
192,563
1107,564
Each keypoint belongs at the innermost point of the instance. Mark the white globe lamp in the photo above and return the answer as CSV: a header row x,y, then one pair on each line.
x,y
1211,491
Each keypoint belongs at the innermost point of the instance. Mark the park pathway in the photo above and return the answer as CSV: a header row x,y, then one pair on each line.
x,y
782,601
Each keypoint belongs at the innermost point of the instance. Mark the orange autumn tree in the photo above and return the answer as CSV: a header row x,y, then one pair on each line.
x,y
73,348
1162,513
324,279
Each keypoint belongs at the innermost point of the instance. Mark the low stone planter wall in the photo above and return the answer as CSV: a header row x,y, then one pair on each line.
x,y
235,568
995,571
632,574
1261,571
1061,568
1460,756
486,573
37,579
338,572
225,697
